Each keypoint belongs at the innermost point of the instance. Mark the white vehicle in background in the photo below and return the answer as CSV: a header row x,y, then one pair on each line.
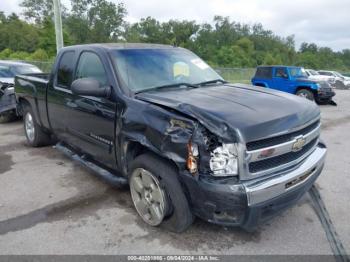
x,y
314,75
340,80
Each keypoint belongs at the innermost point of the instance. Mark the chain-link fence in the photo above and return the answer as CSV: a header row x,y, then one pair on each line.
x,y
236,75
233,75
44,66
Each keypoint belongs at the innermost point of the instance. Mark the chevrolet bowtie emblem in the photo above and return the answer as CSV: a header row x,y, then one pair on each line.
x,y
298,144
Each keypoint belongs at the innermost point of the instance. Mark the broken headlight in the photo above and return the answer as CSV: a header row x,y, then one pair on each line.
x,y
223,160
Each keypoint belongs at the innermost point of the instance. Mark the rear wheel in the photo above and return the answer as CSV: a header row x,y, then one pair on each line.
x,y
157,194
306,94
34,133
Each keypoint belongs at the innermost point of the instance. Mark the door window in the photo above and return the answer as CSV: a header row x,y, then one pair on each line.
x,y
90,66
65,70
281,72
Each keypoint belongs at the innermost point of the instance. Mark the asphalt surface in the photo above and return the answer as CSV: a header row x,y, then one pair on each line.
x,y
51,205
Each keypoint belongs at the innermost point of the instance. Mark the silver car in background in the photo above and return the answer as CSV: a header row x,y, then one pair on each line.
x,y
314,75
342,82
8,71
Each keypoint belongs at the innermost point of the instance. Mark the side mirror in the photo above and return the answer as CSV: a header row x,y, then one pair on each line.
x,y
89,87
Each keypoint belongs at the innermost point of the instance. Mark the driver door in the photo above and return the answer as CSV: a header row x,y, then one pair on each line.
x,y
91,121
280,79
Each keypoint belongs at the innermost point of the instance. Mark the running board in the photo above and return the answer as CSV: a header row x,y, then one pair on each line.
x,y
117,181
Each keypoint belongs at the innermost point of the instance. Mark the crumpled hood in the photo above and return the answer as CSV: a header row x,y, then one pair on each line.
x,y
238,110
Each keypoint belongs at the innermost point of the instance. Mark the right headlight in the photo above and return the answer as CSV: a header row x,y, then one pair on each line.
x,y
224,161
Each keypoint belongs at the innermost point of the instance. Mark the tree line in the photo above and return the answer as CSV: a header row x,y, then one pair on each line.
x,y
30,35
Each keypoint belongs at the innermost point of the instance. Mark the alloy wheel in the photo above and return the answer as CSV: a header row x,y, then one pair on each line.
x,y
148,196
29,127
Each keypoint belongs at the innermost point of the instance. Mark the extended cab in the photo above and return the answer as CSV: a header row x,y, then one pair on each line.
x,y
187,142
293,80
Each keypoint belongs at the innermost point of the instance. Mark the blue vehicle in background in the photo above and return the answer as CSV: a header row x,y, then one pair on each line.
x,y
293,80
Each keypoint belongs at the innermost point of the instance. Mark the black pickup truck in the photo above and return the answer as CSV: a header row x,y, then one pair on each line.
x,y
188,143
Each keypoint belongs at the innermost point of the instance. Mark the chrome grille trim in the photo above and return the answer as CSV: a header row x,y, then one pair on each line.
x,y
284,166
248,156
283,136
280,149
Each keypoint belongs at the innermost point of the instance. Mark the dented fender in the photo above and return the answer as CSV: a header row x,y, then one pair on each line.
x,y
159,130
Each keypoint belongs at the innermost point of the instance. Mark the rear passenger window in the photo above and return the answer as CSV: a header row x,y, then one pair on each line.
x,y
263,72
65,69
91,66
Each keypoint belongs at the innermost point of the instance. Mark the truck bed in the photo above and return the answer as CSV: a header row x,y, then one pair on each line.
x,y
33,87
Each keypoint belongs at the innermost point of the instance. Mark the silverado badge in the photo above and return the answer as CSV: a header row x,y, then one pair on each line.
x,y
298,144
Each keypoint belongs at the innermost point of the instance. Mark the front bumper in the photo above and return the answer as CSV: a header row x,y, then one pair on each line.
x,y
7,101
230,202
325,94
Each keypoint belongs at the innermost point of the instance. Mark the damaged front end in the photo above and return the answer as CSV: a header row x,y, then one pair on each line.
x,y
207,164
207,157
8,102
215,191
235,169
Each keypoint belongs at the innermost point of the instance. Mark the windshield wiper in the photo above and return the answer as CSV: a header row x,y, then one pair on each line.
x,y
214,81
167,86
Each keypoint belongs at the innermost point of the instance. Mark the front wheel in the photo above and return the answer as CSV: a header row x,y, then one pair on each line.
x,y
305,93
148,196
157,194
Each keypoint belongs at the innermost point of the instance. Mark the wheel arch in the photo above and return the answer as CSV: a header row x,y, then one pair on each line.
x,y
260,84
133,149
307,88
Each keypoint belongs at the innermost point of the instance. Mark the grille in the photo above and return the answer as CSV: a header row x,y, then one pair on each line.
x,y
280,139
280,160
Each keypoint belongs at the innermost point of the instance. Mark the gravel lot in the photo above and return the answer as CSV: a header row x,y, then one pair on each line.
x,y
51,205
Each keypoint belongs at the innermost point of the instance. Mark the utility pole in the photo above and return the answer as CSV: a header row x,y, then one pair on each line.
x,y
58,24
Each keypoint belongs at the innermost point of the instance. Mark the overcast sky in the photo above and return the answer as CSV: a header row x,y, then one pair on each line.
x,y
324,22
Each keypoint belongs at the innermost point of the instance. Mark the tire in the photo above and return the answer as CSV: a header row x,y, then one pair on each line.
x,y
176,215
305,93
35,135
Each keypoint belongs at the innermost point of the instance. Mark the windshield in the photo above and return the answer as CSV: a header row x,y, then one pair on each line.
x,y
26,69
5,72
338,74
142,69
325,73
313,72
297,72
